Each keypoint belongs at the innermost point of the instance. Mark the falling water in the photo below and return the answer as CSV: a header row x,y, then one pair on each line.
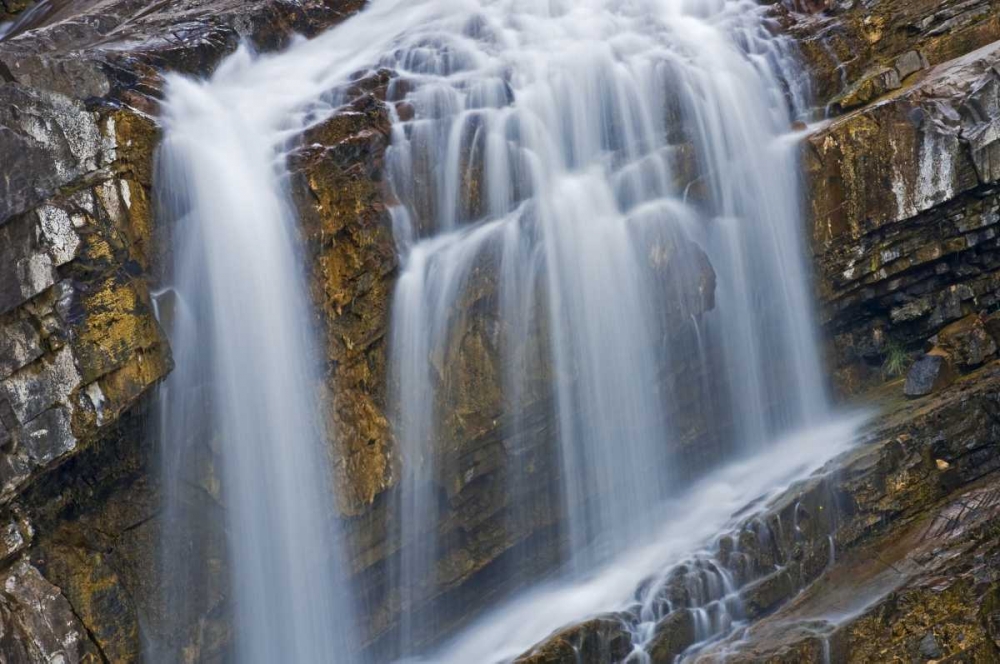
x,y
247,381
618,178
247,373
589,155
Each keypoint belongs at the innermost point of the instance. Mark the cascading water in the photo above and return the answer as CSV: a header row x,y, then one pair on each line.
x,y
247,374
588,153
615,181
247,381
247,378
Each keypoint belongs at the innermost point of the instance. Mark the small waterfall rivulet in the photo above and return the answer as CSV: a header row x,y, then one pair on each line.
x,y
246,380
241,408
608,192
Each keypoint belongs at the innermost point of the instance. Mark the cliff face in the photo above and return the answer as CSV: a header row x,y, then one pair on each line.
x,y
904,210
903,184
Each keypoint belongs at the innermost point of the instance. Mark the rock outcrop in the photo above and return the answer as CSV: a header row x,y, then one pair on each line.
x,y
887,544
903,201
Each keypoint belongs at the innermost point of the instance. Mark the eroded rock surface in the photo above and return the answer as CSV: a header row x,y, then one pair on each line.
x,y
904,209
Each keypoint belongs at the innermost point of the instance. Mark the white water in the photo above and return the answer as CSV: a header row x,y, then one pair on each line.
x,y
247,374
550,143
575,117
248,371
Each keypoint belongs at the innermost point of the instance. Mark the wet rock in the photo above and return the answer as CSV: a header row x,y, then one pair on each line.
x,y
915,546
930,373
906,213
596,641
672,637
765,595
869,88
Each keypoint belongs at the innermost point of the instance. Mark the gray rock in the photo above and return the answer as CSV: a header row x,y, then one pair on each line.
x,y
37,624
929,647
968,342
910,63
929,374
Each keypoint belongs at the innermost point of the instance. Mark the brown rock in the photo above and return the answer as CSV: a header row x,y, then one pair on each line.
x,y
967,342
596,641
673,636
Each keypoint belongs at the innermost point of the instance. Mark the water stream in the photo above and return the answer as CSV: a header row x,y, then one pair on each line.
x,y
622,174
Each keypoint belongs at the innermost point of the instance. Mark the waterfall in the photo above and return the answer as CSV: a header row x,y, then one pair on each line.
x,y
611,190
244,397
603,195
247,380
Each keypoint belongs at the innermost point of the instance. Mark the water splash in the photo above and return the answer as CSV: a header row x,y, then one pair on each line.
x,y
633,582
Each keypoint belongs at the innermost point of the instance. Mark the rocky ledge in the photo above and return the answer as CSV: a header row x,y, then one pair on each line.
x,y
80,347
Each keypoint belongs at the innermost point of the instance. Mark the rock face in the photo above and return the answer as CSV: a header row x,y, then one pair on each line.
x,y
917,574
903,201
888,544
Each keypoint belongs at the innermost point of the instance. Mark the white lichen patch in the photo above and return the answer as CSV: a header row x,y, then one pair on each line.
x,y
48,437
126,191
11,539
83,137
934,180
84,199
41,384
904,205
107,193
58,231
110,140
20,344
936,175
97,400
35,273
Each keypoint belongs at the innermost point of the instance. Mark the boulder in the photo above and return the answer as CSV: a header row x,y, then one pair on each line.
x,y
930,373
596,641
672,637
